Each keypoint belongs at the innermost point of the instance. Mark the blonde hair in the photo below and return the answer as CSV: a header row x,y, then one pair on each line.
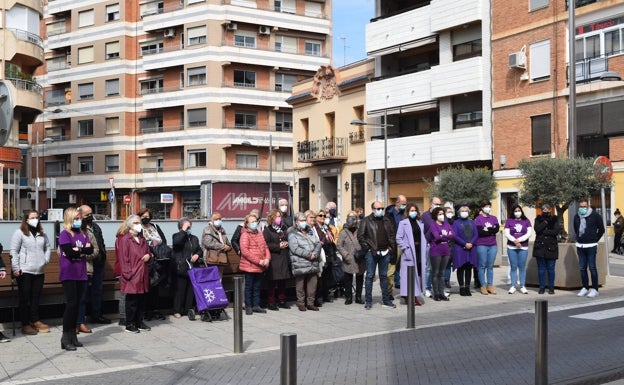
x,y
68,218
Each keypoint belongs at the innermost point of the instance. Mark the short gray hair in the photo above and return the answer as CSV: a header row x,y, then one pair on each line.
x,y
130,219
182,221
300,216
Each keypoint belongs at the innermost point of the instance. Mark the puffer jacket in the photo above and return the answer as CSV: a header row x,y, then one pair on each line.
x,y
347,246
253,249
29,253
302,246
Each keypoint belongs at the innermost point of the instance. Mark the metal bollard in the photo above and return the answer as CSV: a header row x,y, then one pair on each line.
x,y
288,348
541,342
238,314
411,313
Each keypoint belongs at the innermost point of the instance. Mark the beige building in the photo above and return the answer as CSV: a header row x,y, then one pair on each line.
x,y
329,154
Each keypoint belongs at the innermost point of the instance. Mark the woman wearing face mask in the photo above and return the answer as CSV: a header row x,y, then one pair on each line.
x,y
304,249
328,235
449,213
413,243
74,246
348,246
215,238
134,255
255,259
518,230
488,227
279,268
618,228
439,251
465,252
154,237
187,253
30,252
546,248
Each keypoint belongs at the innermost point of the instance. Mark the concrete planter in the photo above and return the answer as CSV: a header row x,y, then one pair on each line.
x,y
567,274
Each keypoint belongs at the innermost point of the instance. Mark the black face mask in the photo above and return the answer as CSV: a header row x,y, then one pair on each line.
x,y
145,221
88,219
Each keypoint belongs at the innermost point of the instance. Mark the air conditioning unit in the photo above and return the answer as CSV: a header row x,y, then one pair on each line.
x,y
517,60
169,32
231,26
31,195
264,30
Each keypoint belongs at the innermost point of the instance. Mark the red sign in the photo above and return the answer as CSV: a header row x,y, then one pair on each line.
x,y
603,169
235,200
127,199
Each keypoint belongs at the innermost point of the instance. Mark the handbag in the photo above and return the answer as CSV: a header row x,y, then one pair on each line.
x,y
215,257
359,256
161,252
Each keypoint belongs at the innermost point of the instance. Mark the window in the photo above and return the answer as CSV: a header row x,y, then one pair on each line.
x,y
246,161
112,87
112,50
313,48
196,76
112,12
85,18
85,164
613,44
151,86
244,79
467,110
152,8
247,41
85,91
283,160
196,158
537,4
284,82
540,134
111,163
283,121
151,48
112,125
196,35
150,124
358,189
85,128
85,55
286,44
245,119
313,9
540,60
196,117
467,50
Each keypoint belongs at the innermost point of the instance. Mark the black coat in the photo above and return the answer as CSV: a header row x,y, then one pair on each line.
x,y
184,246
546,231
279,268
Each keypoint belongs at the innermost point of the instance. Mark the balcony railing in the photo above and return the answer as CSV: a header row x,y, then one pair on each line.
x,y
310,151
278,128
27,36
27,85
58,172
269,6
356,137
589,69
155,168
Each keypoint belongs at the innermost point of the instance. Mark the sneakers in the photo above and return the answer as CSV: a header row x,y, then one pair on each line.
x,y
428,293
512,290
389,305
582,293
29,330
132,329
41,327
592,293
258,309
523,290
4,338
143,326
551,291
447,294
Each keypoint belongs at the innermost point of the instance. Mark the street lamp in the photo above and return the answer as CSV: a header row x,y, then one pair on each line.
x,y
37,179
358,122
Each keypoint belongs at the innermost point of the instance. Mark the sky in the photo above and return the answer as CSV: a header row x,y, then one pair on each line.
x,y
349,19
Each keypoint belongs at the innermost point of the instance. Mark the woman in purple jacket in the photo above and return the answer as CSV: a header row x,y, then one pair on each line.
x,y
439,251
464,250
518,230
488,227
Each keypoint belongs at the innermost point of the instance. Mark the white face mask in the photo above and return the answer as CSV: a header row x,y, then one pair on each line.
x,y
283,208
33,222
137,228
327,221
517,214
440,218
449,215
487,210
464,214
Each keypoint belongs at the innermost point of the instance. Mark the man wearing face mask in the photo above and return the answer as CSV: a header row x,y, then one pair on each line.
x,y
377,236
332,213
99,265
395,214
287,219
427,219
589,229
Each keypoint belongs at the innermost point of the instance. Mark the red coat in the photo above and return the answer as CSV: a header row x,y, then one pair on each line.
x,y
134,271
253,249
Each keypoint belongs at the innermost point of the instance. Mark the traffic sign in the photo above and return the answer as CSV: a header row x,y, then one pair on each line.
x,y
603,169
127,199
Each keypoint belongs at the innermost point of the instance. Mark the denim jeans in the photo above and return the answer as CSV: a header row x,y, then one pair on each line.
x,y
546,266
253,283
587,256
486,255
517,260
373,262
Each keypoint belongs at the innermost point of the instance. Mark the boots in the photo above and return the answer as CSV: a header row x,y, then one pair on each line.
x,y
490,289
358,299
66,341
75,341
462,291
484,290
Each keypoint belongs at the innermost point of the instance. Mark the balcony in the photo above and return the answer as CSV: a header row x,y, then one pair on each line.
x,y
322,150
356,137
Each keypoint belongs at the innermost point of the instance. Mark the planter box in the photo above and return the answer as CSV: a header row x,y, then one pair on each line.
x,y
567,274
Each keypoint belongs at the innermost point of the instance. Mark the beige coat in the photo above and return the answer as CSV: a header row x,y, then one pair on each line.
x,y
347,246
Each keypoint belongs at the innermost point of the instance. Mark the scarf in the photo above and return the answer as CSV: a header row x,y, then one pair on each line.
x,y
583,224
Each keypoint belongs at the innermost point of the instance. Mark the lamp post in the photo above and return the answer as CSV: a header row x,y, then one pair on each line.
x,y
358,122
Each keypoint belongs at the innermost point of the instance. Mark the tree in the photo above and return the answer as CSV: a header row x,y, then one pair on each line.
x,y
558,182
462,185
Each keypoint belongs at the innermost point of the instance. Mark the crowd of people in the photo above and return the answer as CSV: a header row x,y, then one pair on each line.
x,y
312,248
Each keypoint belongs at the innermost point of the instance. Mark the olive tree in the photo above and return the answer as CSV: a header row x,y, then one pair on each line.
x,y
463,185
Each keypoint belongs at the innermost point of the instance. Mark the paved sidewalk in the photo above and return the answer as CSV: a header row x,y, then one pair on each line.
x,y
28,359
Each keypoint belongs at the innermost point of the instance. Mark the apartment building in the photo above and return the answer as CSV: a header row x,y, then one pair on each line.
x,y
20,97
330,152
531,92
153,98
431,92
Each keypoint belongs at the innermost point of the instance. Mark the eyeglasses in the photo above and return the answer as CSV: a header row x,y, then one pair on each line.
x,y
321,215
377,208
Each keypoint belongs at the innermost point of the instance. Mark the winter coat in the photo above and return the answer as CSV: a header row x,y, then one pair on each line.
x,y
184,247
461,255
347,246
253,249
29,253
279,268
301,246
594,228
367,233
134,271
441,235
546,229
